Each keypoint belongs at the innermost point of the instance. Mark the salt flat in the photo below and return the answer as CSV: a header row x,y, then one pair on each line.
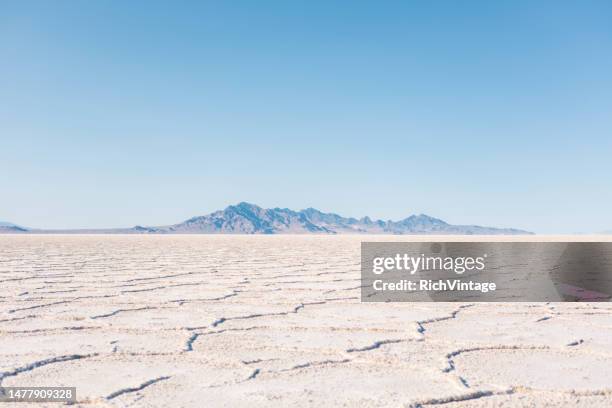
x,y
210,321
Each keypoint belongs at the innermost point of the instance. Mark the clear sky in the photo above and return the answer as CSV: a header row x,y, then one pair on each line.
x,y
117,113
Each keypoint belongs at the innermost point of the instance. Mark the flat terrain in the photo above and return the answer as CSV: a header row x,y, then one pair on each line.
x,y
210,321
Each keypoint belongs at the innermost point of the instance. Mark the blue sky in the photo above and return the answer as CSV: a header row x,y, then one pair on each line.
x,y
121,113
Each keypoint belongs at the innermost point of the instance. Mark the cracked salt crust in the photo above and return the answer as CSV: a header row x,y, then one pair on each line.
x,y
262,321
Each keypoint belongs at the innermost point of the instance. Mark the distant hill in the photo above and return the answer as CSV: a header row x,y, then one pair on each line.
x,y
245,218
8,227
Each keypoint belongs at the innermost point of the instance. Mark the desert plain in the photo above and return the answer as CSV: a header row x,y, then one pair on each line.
x,y
275,321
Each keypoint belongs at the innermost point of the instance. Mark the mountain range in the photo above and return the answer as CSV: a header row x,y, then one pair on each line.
x,y
246,218
10,227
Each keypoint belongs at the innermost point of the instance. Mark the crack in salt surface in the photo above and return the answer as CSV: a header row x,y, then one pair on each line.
x,y
253,375
17,318
51,330
507,391
162,287
375,345
214,299
308,364
449,357
190,341
421,323
458,398
121,311
257,360
42,363
162,277
296,309
38,306
316,363
135,389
